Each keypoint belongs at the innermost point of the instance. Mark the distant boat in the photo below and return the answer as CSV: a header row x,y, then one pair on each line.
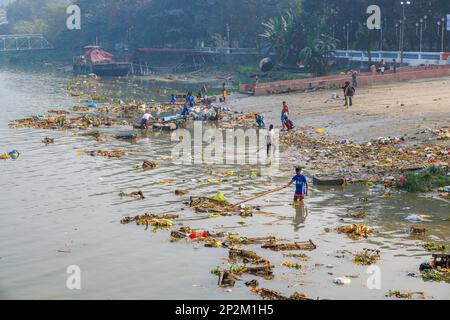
x,y
98,61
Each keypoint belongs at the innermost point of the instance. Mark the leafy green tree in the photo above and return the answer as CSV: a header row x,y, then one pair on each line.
x,y
317,56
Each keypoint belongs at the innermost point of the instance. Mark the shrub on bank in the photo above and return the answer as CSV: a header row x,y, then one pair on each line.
x,y
425,180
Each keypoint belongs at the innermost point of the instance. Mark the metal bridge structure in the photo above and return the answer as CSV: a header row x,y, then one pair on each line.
x,y
23,42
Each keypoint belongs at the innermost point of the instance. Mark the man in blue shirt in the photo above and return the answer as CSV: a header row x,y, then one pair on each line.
x,y
190,99
301,185
185,111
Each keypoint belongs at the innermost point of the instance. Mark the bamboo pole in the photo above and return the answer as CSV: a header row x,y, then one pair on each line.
x,y
262,195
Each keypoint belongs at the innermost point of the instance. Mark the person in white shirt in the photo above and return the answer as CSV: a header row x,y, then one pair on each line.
x,y
270,139
145,120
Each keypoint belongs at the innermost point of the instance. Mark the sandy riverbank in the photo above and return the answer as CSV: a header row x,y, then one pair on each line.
x,y
378,111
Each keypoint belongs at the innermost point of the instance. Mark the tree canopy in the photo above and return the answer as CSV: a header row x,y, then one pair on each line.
x,y
286,26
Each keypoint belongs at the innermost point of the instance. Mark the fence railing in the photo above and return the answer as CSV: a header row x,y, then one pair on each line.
x,y
24,42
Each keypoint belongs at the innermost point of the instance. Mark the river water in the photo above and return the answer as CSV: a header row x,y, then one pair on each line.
x,y
59,209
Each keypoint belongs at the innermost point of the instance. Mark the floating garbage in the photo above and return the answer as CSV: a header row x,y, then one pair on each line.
x,y
207,205
149,165
267,294
106,154
418,231
355,231
246,256
415,218
367,257
432,246
308,245
291,265
253,283
14,154
405,295
181,192
227,278
168,181
299,256
160,221
135,194
237,240
342,281
48,141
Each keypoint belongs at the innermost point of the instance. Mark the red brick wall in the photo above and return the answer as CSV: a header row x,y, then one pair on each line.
x,y
338,81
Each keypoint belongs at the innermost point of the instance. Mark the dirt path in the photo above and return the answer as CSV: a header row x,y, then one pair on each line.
x,y
378,111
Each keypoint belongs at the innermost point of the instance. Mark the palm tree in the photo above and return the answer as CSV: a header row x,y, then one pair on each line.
x,y
317,55
281,32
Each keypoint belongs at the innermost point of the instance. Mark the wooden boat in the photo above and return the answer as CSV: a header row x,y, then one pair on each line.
x,y
328,181
96,60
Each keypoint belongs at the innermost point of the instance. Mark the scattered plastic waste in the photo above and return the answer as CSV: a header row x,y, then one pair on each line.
x,y
355,231
415,218
405,295
13,155
267,294
292,265
342,281
106,154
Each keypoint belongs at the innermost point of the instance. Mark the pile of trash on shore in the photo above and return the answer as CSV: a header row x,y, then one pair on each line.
x,y
375,161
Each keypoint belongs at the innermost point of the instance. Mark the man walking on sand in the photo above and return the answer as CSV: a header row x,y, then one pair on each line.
x,y
349,93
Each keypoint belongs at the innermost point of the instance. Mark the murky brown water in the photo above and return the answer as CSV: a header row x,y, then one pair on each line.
x,y
53,199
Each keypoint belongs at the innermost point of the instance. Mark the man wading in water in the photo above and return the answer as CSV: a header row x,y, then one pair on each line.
x,y
301,186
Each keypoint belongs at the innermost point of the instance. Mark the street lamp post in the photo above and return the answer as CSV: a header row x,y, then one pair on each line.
x,y
382,26
441,31
421,35
348,36
403,4
346,33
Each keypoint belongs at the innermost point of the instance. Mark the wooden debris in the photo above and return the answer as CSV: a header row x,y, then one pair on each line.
x,y
309,245
247,256
253,283
234,240
48,141
417,231
227,279
406,295
137,195
181,192
107,154
267,294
